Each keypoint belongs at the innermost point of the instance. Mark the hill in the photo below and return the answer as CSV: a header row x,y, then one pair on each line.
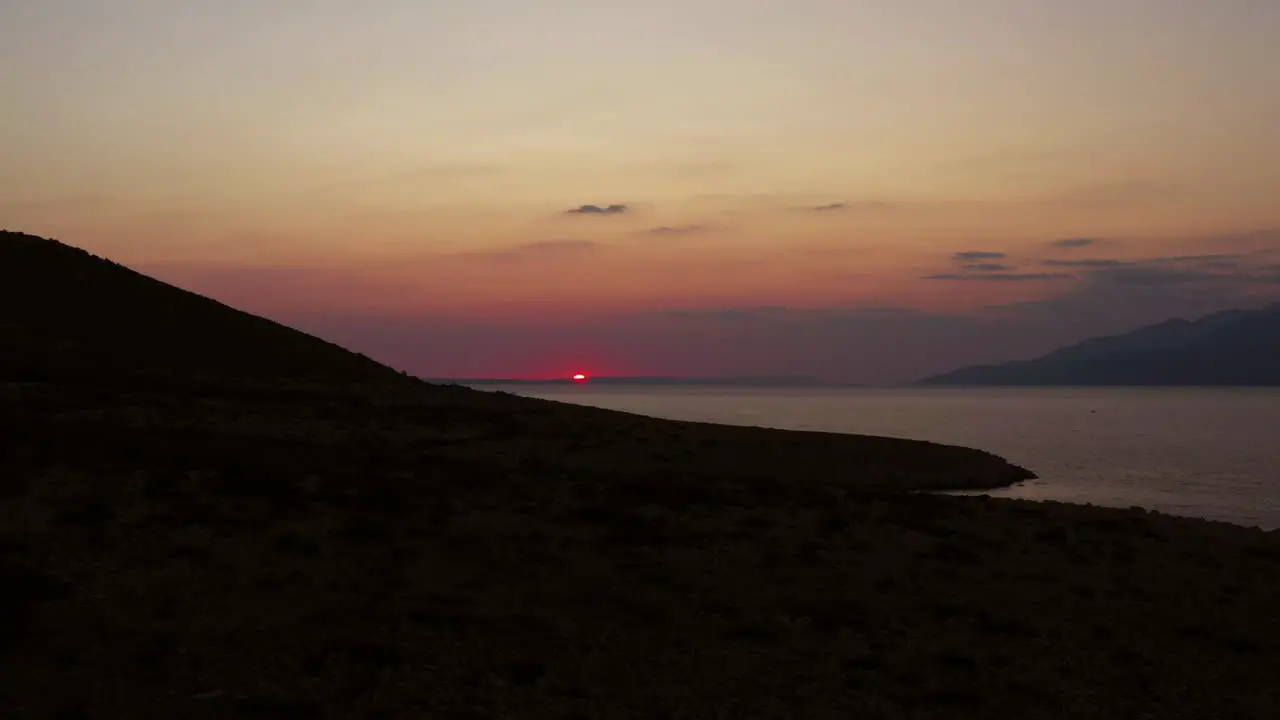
x,y
65,313
281,529
73,319
1233,348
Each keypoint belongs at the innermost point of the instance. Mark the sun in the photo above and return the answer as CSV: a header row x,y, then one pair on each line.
x,y
579,377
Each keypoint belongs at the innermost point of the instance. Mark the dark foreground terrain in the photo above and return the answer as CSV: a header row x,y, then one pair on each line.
x,y
284,530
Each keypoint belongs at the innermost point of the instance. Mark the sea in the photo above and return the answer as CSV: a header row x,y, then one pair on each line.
x,y
1200,452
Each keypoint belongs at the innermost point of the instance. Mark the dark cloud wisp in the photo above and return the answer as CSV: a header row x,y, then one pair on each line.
x,y
1001,277
677,230
978,255
977,265
829,207
1197,259
1073,242
1085,263
1215,273
616,209
545,246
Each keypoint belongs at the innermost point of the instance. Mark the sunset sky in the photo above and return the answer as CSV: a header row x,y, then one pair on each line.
x,y
864,191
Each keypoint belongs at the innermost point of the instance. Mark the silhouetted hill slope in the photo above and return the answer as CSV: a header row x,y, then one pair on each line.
x,y
67,316
1236,347
66,313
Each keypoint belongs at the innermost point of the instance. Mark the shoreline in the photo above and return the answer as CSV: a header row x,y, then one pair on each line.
x,y
619,437
1090,463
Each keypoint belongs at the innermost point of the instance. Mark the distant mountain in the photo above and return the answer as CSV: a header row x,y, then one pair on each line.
x,y
1236,347
65,313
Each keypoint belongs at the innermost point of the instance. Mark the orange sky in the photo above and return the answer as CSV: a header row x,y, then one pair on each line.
x,y
402,159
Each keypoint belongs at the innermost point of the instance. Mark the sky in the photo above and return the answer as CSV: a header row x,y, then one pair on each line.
x,y
860,191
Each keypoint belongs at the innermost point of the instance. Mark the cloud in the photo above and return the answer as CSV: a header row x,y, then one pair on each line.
x,y
1001,277
677,230
829,207
1149,276
1163,271
1197,259
597,210
975,269
1085,263
1073,242
1117,296
973,255
557,246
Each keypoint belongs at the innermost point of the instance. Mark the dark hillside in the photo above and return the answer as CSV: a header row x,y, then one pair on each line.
x,y
65,313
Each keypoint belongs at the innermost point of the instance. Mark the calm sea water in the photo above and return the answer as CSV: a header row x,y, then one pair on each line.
x,y
1212,453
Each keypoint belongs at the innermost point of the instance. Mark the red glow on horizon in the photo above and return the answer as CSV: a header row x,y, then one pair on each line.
x,y
579,377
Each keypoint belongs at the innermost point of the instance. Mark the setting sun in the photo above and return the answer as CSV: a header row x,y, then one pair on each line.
x,y
579,377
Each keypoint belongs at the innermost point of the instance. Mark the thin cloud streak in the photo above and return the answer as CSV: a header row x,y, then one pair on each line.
x,y
1000,277
1085,263
677,230
1073,242
616,209
972,255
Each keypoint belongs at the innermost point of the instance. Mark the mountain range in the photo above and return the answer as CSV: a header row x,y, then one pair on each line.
x,y
1231,348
